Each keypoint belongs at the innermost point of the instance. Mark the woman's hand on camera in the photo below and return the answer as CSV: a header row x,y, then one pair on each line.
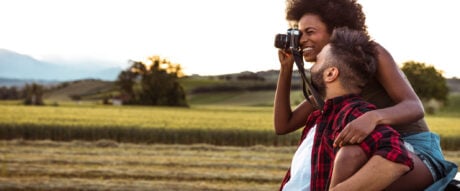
x,y
286,59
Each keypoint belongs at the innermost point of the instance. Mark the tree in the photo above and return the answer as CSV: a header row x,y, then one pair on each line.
x,y
33,94
9,93
126,81
158,83
427,82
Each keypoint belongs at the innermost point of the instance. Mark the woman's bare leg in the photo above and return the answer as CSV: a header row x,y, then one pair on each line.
x,y
417,179
352,171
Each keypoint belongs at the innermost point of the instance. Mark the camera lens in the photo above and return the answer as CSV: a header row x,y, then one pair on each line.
x,y
282,41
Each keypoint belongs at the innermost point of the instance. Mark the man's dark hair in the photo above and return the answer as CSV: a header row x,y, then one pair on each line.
x,y
354,54
334,13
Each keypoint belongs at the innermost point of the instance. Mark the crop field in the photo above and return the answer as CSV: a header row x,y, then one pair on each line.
x,y
200,124
217,125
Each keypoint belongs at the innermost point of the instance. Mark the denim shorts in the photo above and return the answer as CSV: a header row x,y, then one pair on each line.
x,y
426,146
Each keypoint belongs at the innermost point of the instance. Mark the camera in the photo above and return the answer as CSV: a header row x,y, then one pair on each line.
x,y
288,41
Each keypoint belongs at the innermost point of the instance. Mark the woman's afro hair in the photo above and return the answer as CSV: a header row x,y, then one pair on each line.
x,y
334,13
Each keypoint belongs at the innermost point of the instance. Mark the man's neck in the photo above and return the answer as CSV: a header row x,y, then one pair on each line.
x,y
333,91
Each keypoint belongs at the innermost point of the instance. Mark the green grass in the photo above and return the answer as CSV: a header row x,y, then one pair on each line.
x,y
242,98
453,105
246,98
85,88
194,82
212,98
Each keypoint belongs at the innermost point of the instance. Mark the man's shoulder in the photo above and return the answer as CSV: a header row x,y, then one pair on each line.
x,y
358,105
353,110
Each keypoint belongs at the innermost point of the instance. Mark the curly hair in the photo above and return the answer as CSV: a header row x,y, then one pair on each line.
x,y
334,13
355,54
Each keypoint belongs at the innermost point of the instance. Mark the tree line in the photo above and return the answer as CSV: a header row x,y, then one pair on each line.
x,y
155,82
32,94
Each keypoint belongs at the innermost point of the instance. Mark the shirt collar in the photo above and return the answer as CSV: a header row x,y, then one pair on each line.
x,y
337,102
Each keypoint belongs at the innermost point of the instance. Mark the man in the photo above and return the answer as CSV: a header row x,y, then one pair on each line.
x,y
342,69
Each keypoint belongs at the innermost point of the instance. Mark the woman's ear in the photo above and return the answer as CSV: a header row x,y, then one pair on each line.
x,y
331,74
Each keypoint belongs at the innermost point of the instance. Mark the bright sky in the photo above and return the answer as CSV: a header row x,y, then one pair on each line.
x,y
211,36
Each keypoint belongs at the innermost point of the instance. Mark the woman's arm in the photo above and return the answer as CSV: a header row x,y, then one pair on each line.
x,y
286,120
408,107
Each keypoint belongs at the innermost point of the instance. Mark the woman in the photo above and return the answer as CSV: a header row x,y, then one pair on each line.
x,y
390,91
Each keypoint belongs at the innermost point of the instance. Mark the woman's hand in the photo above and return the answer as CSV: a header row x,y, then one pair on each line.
x,y
357,130
286,59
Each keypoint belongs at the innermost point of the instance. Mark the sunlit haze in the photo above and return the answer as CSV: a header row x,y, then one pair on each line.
x,y
210,37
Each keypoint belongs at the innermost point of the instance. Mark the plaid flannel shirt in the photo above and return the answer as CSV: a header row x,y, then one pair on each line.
x,y
336,113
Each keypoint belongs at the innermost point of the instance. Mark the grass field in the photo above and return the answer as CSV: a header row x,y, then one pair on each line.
x,y
232,145
107,165
201,124
221,143
218,125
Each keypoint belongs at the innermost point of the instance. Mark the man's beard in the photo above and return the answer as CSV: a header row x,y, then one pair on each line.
x,y
318,82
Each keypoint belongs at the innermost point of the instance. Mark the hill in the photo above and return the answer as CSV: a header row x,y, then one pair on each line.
x,y
453,84
86,89
9,82
23,67
245,88
230,89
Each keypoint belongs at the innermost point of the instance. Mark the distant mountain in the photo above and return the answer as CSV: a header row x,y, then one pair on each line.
x,y
18,66
453,84
8,82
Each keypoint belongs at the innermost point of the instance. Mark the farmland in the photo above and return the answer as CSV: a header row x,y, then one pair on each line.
x,y
97,147
217,125
202,124
230,124
224,141
106,165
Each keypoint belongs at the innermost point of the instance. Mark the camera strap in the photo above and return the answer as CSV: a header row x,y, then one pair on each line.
x,y
307,87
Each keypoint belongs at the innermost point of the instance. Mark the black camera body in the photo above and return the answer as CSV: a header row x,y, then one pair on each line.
x,y
288,41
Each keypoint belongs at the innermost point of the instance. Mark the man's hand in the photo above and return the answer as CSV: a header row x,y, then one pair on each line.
x,y
356,131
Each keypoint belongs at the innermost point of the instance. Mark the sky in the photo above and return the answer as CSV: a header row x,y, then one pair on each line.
x,y
211,37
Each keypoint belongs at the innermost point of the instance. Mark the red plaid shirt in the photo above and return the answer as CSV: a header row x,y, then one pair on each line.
x,y
337,112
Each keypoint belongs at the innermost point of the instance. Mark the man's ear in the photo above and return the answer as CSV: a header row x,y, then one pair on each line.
x,y
331,74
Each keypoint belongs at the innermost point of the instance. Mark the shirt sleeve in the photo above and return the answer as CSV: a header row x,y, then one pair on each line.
x,y
387,143
383,140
